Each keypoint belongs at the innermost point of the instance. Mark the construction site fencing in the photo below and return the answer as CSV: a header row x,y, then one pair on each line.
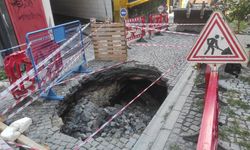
x,y
158,22
53,54
153,24
135,32
52,51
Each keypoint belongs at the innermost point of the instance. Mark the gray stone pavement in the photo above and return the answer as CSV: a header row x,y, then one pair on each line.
x,y
159,129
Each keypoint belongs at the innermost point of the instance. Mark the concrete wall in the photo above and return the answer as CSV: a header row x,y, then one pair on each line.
x,y
83,8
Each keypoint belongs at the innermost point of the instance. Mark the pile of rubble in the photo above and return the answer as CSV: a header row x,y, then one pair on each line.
x,y
95,100
87,117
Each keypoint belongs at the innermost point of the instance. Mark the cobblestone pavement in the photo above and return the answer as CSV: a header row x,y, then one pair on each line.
x,y
162,57
46,124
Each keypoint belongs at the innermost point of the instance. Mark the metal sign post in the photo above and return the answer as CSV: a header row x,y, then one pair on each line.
x,y
123,12
216,45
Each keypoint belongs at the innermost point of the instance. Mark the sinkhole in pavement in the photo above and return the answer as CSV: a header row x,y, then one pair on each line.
x,y
91,103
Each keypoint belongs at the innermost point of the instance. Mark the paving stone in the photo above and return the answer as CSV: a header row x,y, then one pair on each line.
x,y
61,148
119,144
99,139
187,124
114,141
129,145
104,143
116,148
100,147
54,147
70,146
87,145
195,128
110,146
124,140
94,143
235,146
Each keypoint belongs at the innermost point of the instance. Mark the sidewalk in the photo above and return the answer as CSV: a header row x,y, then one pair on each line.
x,y
159,129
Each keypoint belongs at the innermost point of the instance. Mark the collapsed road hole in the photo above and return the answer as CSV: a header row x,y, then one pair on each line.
x,y
91,103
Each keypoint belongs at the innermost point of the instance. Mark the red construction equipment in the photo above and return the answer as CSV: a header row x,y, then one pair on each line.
x,y
15,65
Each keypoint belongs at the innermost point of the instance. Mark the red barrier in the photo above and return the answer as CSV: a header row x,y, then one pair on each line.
x,y
131,32
208,137
158,21
15,65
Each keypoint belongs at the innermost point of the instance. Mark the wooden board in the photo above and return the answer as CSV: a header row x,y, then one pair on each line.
x,y
109,41
24,140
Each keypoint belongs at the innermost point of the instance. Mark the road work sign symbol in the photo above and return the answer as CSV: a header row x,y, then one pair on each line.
x,y
123,12
217,44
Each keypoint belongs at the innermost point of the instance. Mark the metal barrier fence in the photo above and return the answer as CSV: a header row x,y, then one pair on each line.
x,y
51,50
135,33
159,22
53,55
136,28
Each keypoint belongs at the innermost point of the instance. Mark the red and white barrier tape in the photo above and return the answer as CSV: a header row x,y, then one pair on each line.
x,y
75,57
31,72
182,33
70,61
32,99
163,24
69,64
164,30
159,45
29,93
121,110
22,145
32,76
94,72
3,95
4,145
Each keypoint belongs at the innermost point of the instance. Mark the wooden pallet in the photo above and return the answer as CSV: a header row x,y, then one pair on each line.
x,y
109,41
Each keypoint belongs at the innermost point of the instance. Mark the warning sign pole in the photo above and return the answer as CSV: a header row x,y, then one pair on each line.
x,y
215,46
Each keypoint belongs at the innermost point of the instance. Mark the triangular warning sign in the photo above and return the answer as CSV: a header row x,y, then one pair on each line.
x,y
217,44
